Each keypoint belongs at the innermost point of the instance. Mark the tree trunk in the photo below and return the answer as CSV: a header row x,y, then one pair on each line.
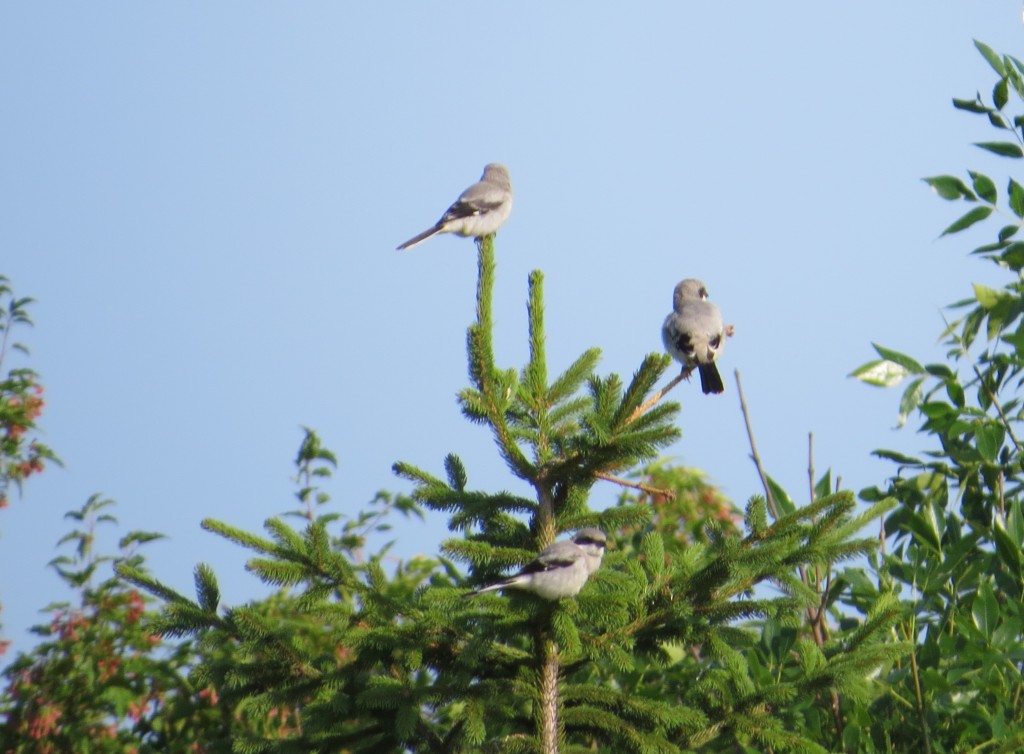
x,y
548,655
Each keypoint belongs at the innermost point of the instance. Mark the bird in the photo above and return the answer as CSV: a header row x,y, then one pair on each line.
x,y
479,211
560,570
694,334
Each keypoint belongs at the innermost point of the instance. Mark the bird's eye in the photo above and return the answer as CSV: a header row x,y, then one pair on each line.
x,y
715,341
703,293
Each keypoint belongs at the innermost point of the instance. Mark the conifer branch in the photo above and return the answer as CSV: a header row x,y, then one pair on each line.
x,y
537,368
240,537
144,581
643,380
573,377
646,406
535,376
484,299
494,396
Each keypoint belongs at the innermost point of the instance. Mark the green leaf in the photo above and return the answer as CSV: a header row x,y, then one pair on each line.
x,y
852,737
118,697
823,488
941,371
1007,232
1000,93
997,121
882,373
1016,340
911,400
950,187
1008,538
992,57
975,215
1016,192
985,609
893,455
1013,75
989,436
938,410
1015,62
871,494
781,497
902,359
971,105
956,393
984,186
989,298
924,528
1015,524
1001,148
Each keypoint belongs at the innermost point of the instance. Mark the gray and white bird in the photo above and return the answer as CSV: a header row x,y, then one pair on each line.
x,y
560,570
479,211
694,334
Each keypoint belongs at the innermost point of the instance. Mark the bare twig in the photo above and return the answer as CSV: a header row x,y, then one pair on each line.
x,y
753,448
837,716
1002,501
881,535
810,462
670,494
824,604
814,616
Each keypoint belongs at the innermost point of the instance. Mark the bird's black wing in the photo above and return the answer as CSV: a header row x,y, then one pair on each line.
x,y
548,564
682,340
468,208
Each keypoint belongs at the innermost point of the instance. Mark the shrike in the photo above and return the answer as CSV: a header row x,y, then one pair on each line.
x,y
479,211
694,335
560,570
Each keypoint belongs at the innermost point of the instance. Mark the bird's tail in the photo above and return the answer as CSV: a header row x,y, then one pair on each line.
x,y
420,238
710,379
491,588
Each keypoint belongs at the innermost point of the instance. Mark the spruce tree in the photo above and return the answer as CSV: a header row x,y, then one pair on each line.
x,y
662,651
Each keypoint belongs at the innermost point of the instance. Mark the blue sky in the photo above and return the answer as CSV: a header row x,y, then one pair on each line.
x,y
205,200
